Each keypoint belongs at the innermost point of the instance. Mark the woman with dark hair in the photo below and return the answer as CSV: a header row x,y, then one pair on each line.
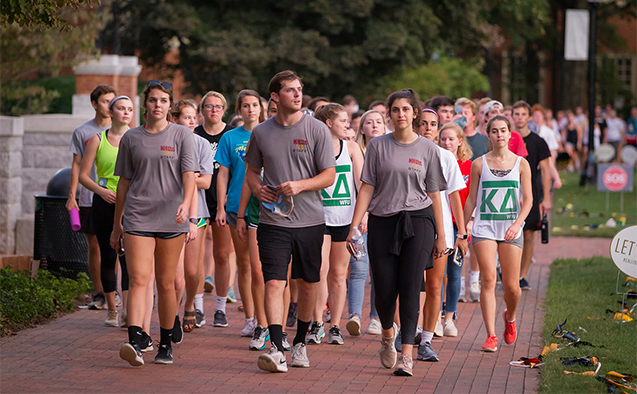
x,y
156,164
499,180
401,184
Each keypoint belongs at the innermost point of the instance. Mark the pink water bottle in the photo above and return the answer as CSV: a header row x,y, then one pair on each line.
x,y
75,219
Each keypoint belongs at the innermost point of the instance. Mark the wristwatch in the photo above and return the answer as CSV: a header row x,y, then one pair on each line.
x,y
193,220
463,236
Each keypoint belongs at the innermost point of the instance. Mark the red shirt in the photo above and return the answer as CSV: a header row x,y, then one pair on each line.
x,y
465,170
516,144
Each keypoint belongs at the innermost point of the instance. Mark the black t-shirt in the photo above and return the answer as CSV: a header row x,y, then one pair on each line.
x,y
211,193
538,151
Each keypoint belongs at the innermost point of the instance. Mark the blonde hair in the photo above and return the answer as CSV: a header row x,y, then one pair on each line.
x,y
213,94
328,111
360,137
464,152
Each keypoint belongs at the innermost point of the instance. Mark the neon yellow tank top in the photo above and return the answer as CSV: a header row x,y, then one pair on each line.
x,y
105,164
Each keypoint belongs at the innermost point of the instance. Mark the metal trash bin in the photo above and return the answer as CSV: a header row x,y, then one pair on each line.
x,y
56,245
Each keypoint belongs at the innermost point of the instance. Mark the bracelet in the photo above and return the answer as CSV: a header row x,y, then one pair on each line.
x,y
463,236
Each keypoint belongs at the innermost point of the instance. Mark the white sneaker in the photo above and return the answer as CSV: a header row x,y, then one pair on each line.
x,y
450,329
439,331
462,297
474,292
299,356
112,319
248,328
274,361
354,325
374,327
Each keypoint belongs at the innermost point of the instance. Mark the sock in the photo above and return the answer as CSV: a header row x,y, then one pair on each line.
x,y
426,337
294,303
276,335
301,331
199,302
135,335
165,336
474,276
221,304
462,283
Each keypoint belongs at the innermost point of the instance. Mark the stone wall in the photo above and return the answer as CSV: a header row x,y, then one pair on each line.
x,y
11,131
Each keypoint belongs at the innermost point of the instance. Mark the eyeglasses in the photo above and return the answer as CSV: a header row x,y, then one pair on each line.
x,y
163,84
211,107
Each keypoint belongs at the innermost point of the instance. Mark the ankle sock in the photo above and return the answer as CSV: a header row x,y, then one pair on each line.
x,y
462,282
135,334
199,302
166,335
301,331
221,304
427,336
276,335
294,303
474,276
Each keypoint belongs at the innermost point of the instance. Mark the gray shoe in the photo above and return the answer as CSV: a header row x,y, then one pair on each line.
x,y
398,344
335,337
388,353
299,356
274,361
317,332
98,303
284,341
418,335
426,353
260,336
405,366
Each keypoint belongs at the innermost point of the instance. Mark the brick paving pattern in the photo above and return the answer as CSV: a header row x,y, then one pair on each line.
x,y
78,354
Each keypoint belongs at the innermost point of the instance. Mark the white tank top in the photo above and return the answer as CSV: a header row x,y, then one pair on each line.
x,y
340,198
497,203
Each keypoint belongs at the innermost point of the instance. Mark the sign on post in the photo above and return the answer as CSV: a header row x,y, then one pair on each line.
x,y
576,35
614,178
623,251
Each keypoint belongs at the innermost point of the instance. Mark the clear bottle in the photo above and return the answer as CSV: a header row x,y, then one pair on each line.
x,y
359,243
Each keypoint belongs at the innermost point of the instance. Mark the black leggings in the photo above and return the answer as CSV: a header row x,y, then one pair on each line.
x,y
103,214
400,274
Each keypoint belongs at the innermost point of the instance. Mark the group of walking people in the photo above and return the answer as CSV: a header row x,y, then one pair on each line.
x,y
292,192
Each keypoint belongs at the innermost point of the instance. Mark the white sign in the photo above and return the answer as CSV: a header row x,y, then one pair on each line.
x,y
576,35
623,251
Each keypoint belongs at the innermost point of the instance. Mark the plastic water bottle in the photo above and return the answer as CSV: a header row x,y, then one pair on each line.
x,y
359,243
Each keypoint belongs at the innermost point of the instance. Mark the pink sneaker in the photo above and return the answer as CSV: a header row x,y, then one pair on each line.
x,y
491,345
510,333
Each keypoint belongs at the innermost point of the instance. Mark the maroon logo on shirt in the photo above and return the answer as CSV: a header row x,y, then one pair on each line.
x,y
415,163
299,145
86,142
167,152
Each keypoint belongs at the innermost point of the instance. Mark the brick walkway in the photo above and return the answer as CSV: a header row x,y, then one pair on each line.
x,y
76,353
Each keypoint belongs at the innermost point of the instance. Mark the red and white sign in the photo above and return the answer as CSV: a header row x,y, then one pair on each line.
x,y
614,177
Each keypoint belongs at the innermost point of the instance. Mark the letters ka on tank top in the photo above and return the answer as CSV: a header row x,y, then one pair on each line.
x,y
340,198
497,203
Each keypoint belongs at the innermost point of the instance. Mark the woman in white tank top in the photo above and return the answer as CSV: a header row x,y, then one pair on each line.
x,y
501,193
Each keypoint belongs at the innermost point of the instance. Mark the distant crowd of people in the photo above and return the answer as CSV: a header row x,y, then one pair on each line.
x,y
298,199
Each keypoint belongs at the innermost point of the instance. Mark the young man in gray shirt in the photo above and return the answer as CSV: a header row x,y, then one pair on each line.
x,y
296,154
101,98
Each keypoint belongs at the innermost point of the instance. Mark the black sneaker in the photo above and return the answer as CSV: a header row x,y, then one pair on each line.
x,y
524,285
178,334
131,353
200,319
220,319
147,343
98,303
164,355
293,314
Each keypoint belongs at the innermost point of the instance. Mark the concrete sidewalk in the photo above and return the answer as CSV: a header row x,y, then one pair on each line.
x,y
78,354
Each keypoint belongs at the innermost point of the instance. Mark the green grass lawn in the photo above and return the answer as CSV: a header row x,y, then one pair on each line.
x,y
579,290
576,208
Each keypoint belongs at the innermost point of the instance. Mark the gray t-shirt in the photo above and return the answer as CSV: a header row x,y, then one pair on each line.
x,y
479,144
154,164
402,174
206,167
81,135
292,153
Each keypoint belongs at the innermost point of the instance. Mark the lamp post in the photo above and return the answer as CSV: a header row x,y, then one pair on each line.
x,y
594,4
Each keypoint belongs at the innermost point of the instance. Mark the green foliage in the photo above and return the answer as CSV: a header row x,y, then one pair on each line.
x,y
37,96
609,87
39,14
452,77
581,291
24,303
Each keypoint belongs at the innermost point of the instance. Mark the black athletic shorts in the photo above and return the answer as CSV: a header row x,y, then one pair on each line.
x,y
277,244
154,234
338,233
533,221
86,220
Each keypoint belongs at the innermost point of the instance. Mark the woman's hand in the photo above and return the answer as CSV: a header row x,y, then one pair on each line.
x,y
221,218
463,245
512,232
241,229
108,195
182,214
117,233
192,234
440,247
349,243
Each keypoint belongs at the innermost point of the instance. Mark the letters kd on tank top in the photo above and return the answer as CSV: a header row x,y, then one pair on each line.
x,y
341,195
494,192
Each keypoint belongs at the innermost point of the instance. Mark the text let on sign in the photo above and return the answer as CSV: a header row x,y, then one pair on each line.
x,y
623,251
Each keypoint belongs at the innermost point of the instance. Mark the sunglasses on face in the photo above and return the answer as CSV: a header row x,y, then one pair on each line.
x,y
164,84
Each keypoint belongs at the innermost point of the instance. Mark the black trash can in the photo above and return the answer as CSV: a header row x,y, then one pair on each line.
x,y
56,245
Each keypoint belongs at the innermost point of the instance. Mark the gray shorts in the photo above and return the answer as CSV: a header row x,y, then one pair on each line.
x,y
231,219
519,241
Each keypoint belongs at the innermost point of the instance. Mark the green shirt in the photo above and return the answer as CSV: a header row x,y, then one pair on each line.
x,y
105,164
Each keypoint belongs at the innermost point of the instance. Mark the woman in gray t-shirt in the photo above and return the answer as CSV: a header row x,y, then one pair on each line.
x,y
402,178
156,164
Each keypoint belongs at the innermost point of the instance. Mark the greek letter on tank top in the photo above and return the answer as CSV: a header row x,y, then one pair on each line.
x,y
340,198
497,203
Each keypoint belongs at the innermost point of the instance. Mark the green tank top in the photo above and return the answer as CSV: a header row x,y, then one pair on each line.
x,y
105,164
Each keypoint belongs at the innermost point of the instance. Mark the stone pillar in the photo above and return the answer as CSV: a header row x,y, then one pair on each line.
x,y
11,132
119,72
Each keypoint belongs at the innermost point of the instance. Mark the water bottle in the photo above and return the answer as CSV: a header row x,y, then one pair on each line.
x,y
545,229
359,243
120,249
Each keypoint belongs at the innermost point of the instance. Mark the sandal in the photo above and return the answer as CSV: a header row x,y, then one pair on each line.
x,y
189,320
